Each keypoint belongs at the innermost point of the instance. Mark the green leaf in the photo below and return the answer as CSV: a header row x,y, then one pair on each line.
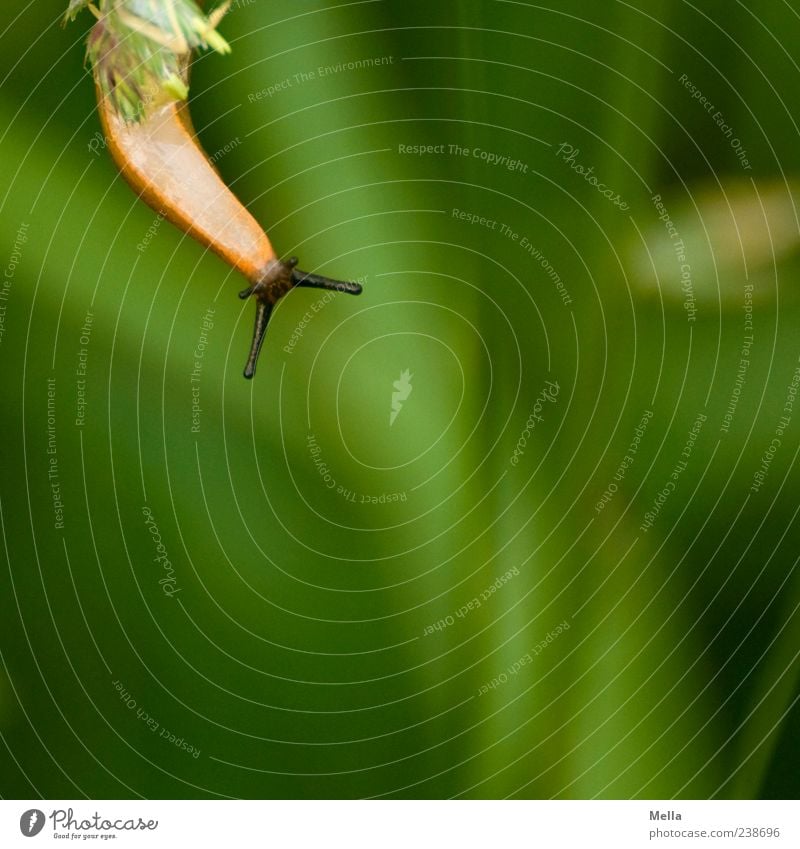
x,y
75,7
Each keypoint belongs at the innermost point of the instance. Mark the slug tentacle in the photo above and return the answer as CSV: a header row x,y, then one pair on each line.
x,y
263,312
317,281
279,277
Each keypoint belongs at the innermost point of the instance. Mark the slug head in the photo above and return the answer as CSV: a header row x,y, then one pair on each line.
x,y
280,277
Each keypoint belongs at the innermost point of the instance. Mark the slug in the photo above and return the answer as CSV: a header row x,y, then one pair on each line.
x,y
158,153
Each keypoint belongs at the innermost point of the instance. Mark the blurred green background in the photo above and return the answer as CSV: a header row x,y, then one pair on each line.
x,y
309,642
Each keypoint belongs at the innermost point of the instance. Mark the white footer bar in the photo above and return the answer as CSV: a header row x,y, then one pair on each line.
x,y
401,824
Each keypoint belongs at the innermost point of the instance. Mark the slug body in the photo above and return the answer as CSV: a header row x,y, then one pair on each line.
x,y
163,162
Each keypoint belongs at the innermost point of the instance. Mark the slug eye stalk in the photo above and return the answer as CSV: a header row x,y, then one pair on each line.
x,y
279,278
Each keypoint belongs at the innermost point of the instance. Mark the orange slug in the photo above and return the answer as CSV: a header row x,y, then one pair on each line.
x,y
161,158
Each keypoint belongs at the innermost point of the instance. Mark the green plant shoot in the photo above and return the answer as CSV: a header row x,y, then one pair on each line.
x,y
139,49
